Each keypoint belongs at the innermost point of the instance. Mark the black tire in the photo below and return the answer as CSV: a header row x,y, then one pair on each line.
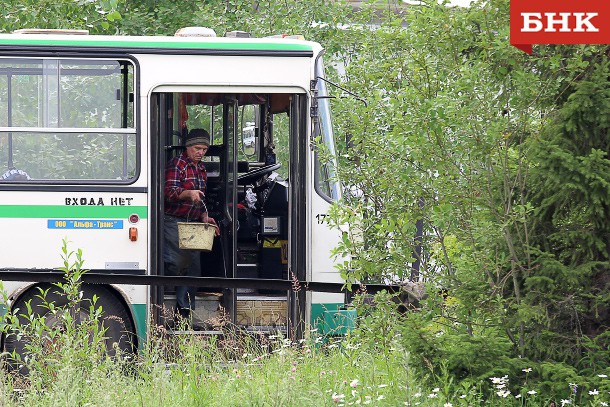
x,y
115,318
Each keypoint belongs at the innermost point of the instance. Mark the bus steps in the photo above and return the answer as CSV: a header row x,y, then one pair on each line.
x,y
194,333
252,310
251,330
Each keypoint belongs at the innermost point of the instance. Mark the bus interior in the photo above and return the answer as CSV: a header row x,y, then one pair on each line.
x,y
253,142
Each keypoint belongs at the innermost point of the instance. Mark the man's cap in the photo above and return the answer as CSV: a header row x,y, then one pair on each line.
x,y
197,136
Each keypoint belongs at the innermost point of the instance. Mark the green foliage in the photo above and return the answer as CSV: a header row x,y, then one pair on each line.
x,y
54,340
508,154
163,17
97,16
378,363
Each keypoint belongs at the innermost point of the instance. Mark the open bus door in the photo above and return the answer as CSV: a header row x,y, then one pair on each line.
x,y
167,134
256,148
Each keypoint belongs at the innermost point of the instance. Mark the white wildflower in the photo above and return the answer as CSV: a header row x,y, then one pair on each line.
x,y
338,397
503,393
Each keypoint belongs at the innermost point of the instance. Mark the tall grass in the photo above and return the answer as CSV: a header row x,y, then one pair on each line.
x,y
68,365
196,370
240,370
201,371
193,370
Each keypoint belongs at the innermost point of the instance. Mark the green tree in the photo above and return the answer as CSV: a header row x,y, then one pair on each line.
x,y
509,154
97,16
570,191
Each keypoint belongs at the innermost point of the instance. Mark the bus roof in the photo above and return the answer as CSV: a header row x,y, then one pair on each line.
x,y
155,44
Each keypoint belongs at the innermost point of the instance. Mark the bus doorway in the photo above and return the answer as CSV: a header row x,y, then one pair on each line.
x,y
252,182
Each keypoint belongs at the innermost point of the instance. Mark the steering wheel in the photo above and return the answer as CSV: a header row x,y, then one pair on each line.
x,y
257,173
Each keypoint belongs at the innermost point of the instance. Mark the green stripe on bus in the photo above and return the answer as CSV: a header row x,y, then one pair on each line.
x,y
318,310
131,43
60,211
139,312
332,318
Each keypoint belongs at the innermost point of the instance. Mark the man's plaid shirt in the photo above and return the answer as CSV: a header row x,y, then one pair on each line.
x,y
182,173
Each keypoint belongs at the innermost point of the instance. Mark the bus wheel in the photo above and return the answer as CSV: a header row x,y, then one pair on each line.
x,y
115,319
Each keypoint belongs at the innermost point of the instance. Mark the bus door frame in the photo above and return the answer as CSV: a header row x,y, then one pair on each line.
x,y
228,224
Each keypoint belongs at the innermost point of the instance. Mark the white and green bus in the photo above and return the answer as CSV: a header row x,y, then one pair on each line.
x,y
87,124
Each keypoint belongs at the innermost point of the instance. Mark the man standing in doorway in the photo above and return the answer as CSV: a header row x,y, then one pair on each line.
x,y
185,187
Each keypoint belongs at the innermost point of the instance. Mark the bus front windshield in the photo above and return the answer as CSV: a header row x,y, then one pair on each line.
x,y
327,184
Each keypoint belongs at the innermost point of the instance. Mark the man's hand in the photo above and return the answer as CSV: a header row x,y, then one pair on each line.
x,y
193,195
206,219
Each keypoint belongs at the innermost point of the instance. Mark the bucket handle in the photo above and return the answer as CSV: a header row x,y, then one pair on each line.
x,y
205,208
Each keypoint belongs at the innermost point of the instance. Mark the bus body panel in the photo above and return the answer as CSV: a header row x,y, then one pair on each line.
x,y
224,71
97,223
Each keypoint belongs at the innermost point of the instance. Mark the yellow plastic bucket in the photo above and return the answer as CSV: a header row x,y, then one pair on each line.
x,y
196,236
